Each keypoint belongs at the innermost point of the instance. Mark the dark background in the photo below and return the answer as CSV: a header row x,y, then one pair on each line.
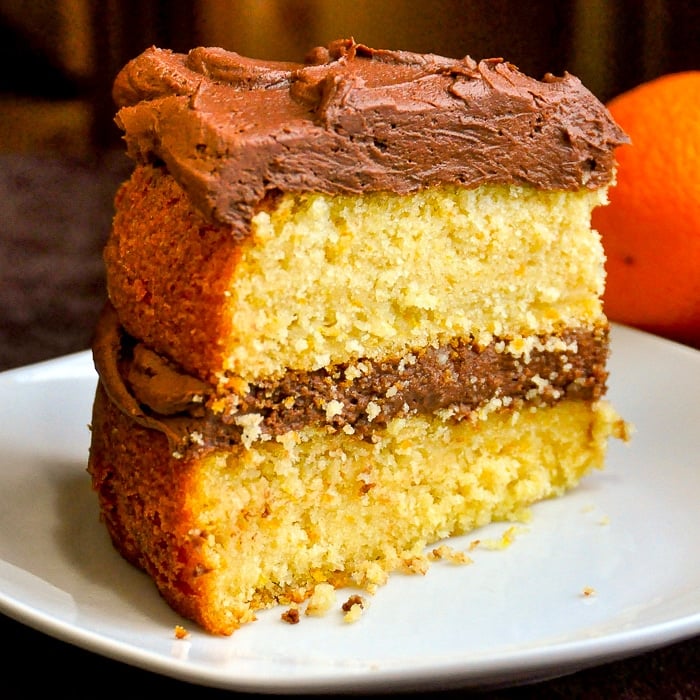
x,y
60,152
61,161
70,50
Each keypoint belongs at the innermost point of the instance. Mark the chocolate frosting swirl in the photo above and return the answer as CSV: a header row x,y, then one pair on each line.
x,y
353,119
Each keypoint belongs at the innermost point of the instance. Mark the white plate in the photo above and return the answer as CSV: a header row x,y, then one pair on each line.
x,y
631,533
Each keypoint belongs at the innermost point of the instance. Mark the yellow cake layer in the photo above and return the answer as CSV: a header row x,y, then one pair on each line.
x,y
231,532
322,280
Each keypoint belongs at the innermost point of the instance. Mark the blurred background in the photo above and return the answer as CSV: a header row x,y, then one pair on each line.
x,y
60,152
60,57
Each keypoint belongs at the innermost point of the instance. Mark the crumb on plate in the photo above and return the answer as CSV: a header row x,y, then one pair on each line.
x,y
353,608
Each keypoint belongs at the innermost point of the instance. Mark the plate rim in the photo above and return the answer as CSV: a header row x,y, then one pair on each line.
x,y
521,665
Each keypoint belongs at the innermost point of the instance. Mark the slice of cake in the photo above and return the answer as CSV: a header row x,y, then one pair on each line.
x,y
355,308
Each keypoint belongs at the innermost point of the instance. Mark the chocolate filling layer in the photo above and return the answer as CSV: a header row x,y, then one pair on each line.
x,y
459,379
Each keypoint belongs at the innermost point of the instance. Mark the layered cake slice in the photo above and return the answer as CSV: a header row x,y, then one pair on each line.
x,y
355,308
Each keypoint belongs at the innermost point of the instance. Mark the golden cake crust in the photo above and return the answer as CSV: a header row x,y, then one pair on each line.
x,y
183,277
143,503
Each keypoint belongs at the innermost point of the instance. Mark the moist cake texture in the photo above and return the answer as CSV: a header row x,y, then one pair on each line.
x,y
324,279
354,308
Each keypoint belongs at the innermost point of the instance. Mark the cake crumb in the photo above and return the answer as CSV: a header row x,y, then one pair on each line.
x,y
333,408
181,632
450,554
409,360
446,413
352,372
321,600
370,576
504,541
353,608
290,616
588,592
415,565
373,410
250,422
196,438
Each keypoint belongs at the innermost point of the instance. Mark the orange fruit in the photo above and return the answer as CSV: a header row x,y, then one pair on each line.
x,y
651,228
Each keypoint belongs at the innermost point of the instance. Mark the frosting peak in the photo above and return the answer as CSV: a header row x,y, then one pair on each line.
x,y
353,119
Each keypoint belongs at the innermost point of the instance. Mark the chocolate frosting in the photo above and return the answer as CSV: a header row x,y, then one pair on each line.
x,y
354,119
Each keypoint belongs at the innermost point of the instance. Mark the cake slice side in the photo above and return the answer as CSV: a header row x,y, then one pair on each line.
x,y
226,533
355,308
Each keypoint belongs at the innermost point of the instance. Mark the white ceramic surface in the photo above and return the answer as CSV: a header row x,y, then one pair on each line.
x,y
630,533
